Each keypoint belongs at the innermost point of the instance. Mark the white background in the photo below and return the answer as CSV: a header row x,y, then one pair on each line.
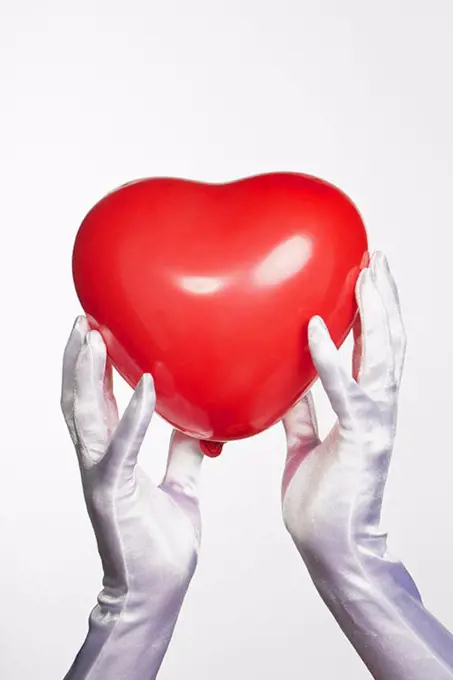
x,y
97,93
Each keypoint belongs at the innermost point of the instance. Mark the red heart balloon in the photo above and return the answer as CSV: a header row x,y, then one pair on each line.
x,y
209,287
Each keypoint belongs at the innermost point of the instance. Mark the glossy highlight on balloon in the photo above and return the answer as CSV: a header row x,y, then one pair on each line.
x,y
210,287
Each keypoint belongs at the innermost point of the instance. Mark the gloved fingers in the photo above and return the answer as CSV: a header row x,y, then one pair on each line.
x,y
184,464
376,373
327,363
131,430
111,405
300,423
301,429
71,352
358,347
90,407
386,286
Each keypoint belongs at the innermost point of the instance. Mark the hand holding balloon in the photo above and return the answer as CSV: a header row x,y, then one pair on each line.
x,y
333,490
148,536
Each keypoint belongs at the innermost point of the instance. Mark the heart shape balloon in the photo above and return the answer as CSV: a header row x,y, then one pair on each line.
x,y
210,287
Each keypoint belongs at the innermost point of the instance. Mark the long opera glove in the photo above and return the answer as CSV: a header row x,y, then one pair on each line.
x,y
148,536
333,490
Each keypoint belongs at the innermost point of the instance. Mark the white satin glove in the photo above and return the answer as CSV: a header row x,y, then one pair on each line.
x,y
148,537
332,494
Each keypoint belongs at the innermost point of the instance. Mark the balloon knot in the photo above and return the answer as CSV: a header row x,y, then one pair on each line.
x,y
211,449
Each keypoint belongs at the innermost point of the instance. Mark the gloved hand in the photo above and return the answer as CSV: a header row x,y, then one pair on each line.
x,y
332,493
148,536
